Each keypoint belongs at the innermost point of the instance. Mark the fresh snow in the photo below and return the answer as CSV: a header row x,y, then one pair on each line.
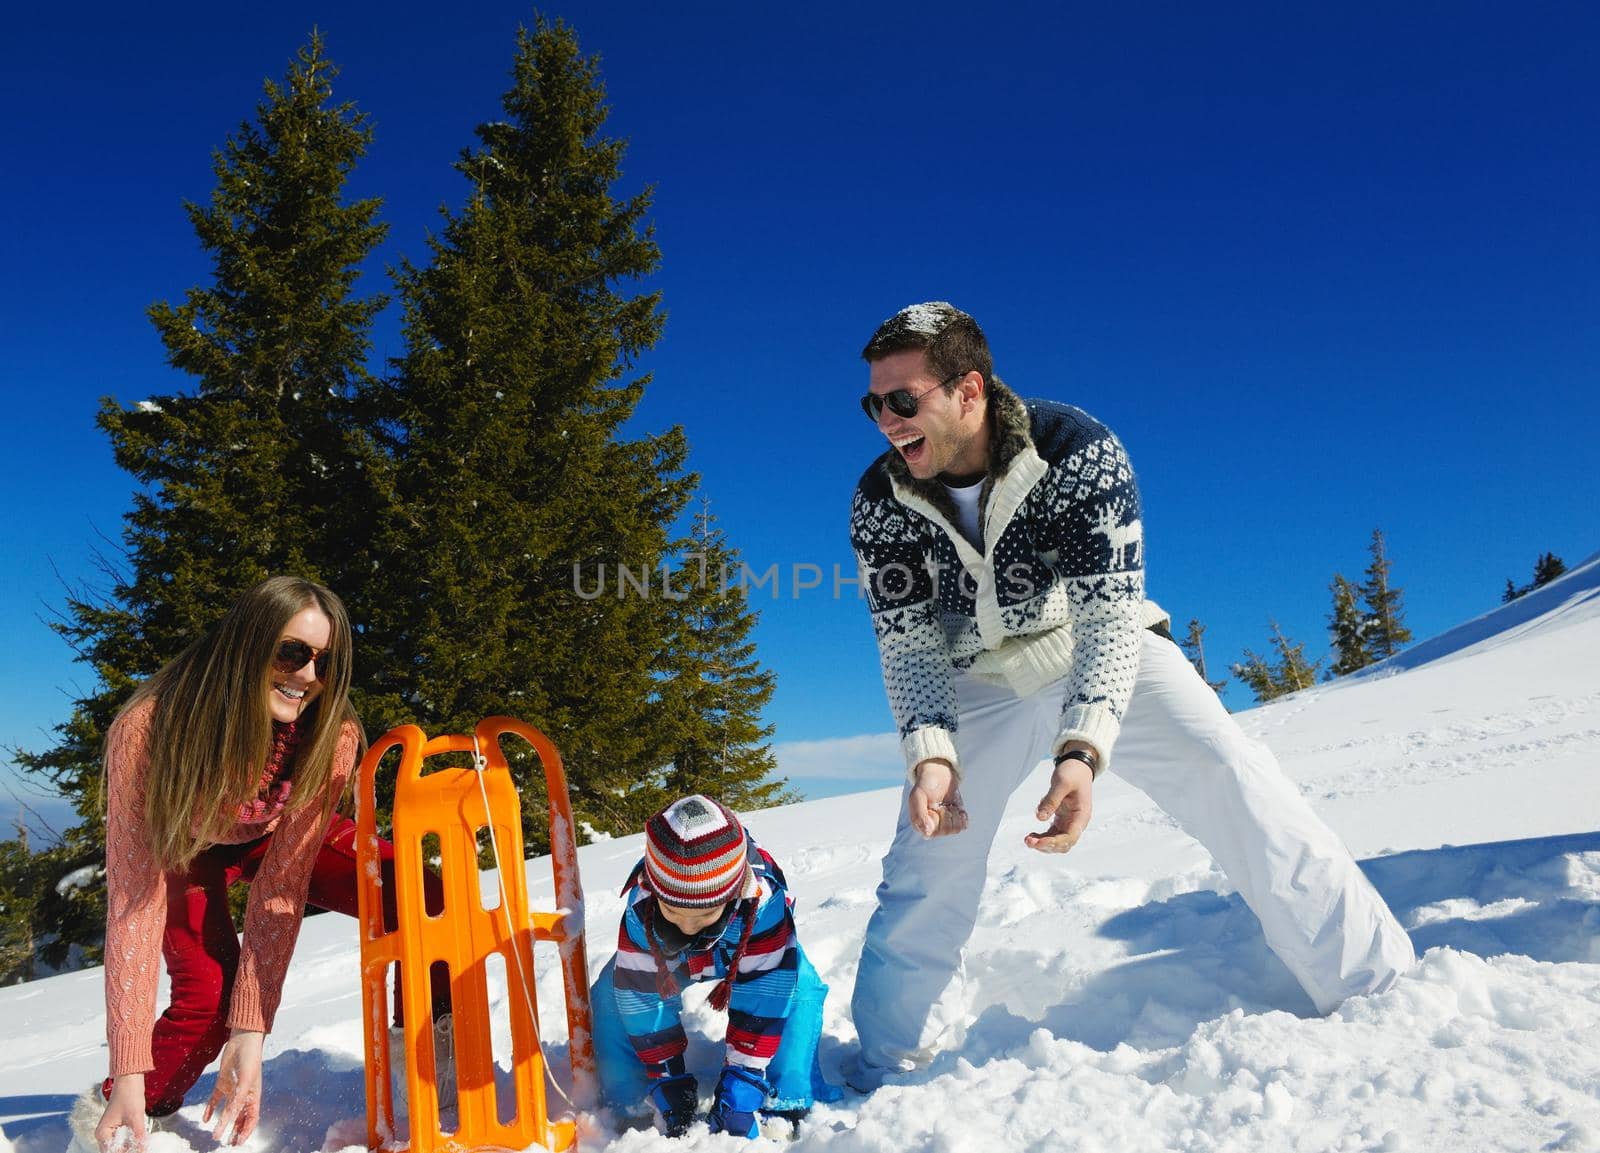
x,y
78,879
1121,997
925,318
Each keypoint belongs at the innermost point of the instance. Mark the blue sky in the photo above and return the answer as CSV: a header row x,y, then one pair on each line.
x,y
1324,269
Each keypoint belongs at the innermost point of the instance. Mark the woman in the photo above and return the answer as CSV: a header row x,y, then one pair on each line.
x,y
224,766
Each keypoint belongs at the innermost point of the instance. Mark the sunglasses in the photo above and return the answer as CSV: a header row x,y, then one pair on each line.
x,y
292,656
902,402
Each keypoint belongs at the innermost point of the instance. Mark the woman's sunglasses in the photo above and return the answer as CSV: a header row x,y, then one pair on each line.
x,y
292,656
902,402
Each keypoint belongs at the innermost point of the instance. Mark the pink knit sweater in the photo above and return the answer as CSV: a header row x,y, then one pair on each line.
x,y
136,903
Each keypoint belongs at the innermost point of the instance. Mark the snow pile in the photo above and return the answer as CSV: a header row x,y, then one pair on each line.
x,y
1121,998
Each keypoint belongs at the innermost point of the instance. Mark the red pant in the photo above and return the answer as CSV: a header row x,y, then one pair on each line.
x,y
201,951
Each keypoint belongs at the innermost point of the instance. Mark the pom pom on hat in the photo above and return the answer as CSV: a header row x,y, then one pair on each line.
x,y
694,854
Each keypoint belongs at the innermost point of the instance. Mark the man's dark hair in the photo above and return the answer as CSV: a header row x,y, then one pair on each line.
x,y
951,340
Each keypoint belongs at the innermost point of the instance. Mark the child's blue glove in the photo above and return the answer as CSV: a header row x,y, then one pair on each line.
x,y
674,1100
739,1094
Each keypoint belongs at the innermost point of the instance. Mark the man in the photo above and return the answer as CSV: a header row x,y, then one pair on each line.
x,y
1002,554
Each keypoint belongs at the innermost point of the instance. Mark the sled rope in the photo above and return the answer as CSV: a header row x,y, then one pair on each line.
x,y
480,764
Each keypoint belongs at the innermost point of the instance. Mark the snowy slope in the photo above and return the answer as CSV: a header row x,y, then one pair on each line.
x,y
1122,998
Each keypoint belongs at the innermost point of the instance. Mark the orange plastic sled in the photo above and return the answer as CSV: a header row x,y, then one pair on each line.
x,y
450,804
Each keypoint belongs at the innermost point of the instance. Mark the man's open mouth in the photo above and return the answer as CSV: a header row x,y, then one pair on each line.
x,y
908,446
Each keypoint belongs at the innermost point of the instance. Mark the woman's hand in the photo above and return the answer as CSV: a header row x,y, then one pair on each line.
x,y
125,1110
238,1088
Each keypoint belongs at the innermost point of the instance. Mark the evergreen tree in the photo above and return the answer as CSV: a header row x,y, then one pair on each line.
x,y
709,708
52,907
1547,568
20,884
1256,673
504,419
1544,570
1193,645
1269,679
1294,671
261,468
1386,632
1349,630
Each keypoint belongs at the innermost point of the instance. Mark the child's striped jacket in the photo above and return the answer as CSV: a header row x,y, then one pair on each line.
x,y
763,991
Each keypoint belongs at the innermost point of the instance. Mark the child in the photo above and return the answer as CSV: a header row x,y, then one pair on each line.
x,y
708,904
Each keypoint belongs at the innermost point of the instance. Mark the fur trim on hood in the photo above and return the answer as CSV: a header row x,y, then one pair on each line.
x,y
1009,434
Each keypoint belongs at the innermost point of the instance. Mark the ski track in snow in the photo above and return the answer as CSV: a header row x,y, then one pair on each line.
x,y
1120,998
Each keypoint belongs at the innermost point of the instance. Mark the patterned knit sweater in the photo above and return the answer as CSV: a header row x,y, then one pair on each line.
x,y
1056,592
763,993
136,901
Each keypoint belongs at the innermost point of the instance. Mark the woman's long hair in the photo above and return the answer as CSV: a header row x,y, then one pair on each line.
x,y
212,729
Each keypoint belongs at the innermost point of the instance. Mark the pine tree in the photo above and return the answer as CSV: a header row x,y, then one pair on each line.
x,y
1193,645
1386,632
1294,672
52,907
1256,673
504,417
1289,673
261,468
1547,568
19,887
1348,628
709,708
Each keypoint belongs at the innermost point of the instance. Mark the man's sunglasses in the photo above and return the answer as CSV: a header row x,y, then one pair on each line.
x,y
292,656
902,402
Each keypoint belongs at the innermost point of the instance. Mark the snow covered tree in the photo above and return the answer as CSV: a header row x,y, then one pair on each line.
x,y
52,902
505,420
708,711
1270,678
1256,673
1193,645
19,888
261,468
1294,672
1385,628
1349,630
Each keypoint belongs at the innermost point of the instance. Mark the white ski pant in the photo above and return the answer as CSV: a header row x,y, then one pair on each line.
x,y
1319,913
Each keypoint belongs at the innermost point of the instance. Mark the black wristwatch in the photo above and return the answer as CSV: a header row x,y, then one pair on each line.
x,y
1083,755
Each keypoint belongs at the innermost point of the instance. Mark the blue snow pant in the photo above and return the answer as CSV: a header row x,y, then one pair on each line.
x,y
794,1072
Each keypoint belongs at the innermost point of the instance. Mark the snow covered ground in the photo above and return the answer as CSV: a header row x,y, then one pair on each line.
x,y
1122,998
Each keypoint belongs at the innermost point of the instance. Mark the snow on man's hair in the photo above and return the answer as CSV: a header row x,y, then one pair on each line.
x,y
951,340
928,318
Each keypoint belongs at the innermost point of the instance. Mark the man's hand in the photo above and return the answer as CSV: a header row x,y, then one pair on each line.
x,y
238,1088
935,801
1066,806
122,1124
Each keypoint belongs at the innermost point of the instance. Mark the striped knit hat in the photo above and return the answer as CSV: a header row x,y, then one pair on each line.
x,y
694,854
